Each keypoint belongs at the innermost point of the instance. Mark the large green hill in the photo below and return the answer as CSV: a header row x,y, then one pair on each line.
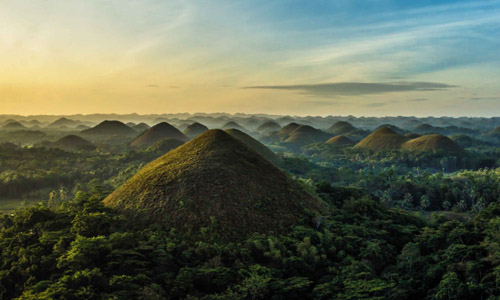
x,y
215,181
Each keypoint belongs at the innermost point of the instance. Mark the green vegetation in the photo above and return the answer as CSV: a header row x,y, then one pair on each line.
x,y
214,179
432,142
340,141
398,216
383,138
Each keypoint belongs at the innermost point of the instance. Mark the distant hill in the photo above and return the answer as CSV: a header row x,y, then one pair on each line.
x,y
63,122
341,128
412,135
412,123
195,130
233,125
164,146
268,127
281,135
110,128
24,137
432,142
285,120
392,127
82,127
10,121
73,143
340,141
141,127
252,123
215,182
157,133
427,129
35,123
382,139
287,130
255,145
495,131
13,125
306,135
467,141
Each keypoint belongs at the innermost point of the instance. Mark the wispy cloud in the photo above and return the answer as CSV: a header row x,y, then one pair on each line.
x,y
357,88
479,98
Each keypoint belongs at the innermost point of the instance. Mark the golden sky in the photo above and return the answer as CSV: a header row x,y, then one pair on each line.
x,y
68,57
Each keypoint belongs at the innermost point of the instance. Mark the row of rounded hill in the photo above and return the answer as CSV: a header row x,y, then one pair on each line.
x,y
293,136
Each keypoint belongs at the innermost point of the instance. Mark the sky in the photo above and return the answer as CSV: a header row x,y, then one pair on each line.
x,y
343,57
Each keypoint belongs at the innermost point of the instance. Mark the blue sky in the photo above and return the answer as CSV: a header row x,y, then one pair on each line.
x,y
285,57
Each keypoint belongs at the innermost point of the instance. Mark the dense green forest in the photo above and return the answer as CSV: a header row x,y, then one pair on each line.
x,y
394,221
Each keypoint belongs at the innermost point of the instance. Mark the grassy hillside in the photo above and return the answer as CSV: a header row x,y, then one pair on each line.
x,y
383,138
214,180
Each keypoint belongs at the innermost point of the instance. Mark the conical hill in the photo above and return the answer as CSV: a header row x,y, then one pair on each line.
x,y
215,181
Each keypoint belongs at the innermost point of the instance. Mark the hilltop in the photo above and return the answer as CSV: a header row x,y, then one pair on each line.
x,y
426,129
432,142
157,133
141,127
340,141
287,130
215,182
392,127
233,125
63,122
13,125
195,129
383,138
341,127
110,128
73,143
268,127
306,135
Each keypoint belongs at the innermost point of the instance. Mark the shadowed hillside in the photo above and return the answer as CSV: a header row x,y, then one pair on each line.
x,y
268,127
141,127
73,143
195,130
157,133
306,135
110,128
215,181
13,125
63,122
255,145
233,125
164,146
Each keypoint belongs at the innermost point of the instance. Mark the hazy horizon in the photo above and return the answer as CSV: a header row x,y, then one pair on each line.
x,y
360,58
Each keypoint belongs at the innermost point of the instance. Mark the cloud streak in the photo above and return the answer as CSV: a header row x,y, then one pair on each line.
x,y
357,88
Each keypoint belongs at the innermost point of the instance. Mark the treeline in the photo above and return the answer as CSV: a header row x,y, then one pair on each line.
x,y
357,250
26,171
